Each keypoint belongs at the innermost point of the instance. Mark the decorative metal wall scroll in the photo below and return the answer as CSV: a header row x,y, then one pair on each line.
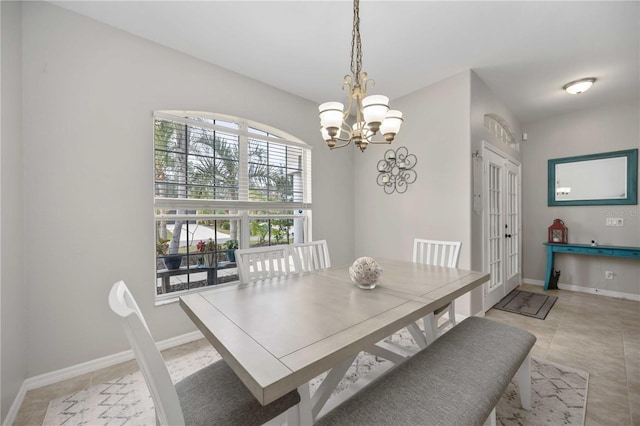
x,y
395,171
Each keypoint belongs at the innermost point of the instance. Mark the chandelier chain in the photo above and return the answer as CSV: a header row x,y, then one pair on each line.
x,y
356,43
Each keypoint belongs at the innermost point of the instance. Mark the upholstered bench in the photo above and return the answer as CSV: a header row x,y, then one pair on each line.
x,y
455,381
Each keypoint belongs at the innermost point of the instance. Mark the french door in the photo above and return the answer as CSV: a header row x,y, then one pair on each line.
x,y
501,224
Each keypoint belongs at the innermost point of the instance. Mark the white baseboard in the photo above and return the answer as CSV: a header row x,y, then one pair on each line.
x,y
56,376
15,406
590,290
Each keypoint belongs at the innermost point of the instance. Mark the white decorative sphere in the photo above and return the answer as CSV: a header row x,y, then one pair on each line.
x,y
365,272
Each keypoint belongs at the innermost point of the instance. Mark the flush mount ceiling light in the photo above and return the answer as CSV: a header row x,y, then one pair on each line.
x,y
579,86
372,113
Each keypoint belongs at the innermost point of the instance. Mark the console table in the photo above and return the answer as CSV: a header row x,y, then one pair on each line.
x,y
611,251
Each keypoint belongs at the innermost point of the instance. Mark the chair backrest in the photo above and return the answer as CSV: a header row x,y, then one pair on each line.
x,y
440,253
152,365
313,255
265,262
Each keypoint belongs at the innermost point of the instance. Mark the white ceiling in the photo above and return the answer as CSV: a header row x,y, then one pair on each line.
x,y
524,51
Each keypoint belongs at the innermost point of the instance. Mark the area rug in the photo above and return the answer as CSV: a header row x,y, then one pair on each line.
x,y
558,394
534,305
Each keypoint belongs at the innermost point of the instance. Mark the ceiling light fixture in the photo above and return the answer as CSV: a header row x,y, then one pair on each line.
x,y
579,86
372,113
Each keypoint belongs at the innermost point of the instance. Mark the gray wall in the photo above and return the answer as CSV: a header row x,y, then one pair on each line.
x,y
590,131
12,288
89,94
437,205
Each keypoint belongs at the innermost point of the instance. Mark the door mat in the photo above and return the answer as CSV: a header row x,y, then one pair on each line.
x,y
534,305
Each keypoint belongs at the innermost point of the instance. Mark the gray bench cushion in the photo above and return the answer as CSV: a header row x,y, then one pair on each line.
x,y
215,396
456,381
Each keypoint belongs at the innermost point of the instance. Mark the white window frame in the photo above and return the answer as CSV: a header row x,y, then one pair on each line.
x,y
243,206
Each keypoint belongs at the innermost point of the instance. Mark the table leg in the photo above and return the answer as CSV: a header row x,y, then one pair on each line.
x,y
305,415
418,336
547,277
430,328
328,385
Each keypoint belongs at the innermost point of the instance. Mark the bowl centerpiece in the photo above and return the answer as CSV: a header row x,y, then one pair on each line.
x,y
365,272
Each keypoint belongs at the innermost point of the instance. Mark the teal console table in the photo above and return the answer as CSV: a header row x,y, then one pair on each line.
x,y
611,251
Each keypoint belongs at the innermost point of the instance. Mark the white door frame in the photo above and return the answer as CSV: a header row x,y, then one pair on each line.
x,y
509,164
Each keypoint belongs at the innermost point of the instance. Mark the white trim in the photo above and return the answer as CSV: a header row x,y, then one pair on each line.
x,y
56,376
506,159
499,152
174,296
197,216
589,290
195,203
15,406
243,130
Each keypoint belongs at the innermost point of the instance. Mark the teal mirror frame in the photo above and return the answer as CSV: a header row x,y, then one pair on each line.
x,y
632,179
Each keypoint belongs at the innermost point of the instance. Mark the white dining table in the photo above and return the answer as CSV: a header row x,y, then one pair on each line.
x,y
278,334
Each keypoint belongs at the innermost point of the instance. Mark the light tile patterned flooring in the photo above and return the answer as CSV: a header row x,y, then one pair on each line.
x,y
594,333
597,334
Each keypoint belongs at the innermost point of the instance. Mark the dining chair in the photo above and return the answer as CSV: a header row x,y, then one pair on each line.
x,y
258,263
212,395
440,253
313,255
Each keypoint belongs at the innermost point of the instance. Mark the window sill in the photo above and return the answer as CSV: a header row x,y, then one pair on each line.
x,y
169,298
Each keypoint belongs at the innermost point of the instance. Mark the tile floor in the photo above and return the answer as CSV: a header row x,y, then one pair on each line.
x,y
594,333
597,334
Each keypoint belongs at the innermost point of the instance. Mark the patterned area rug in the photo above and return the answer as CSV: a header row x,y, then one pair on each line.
x,y
558,394
534,305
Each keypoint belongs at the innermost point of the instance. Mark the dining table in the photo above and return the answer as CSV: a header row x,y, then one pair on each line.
x,y
280,333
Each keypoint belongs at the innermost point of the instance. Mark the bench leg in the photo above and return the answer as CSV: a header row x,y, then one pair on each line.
x,y
523,379
491,420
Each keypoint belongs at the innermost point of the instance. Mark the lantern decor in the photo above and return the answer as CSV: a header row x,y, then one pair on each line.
x,y
558,233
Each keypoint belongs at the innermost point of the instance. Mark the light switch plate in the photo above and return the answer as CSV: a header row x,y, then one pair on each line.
x,y
614,221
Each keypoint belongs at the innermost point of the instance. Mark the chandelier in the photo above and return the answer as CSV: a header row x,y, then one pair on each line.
x,y
372,113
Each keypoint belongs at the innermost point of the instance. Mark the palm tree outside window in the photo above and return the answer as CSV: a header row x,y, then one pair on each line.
x,y
222,183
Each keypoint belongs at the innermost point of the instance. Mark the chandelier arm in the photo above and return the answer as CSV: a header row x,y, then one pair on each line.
x,y
341,145
342,139
348,81
365,80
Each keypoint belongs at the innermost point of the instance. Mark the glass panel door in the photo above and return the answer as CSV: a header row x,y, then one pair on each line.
x,y
494,226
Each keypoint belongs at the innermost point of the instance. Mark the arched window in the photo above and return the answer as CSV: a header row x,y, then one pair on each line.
x,y
222,183
499,128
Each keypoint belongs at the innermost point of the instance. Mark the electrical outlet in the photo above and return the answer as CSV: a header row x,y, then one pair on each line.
x,y
608,275
614,221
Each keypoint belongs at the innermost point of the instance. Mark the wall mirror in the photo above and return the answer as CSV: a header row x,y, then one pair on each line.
x,y
598,179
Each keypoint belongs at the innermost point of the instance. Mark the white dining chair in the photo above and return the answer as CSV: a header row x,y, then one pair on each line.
x,y
212,395
439,253
313,255
258,263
